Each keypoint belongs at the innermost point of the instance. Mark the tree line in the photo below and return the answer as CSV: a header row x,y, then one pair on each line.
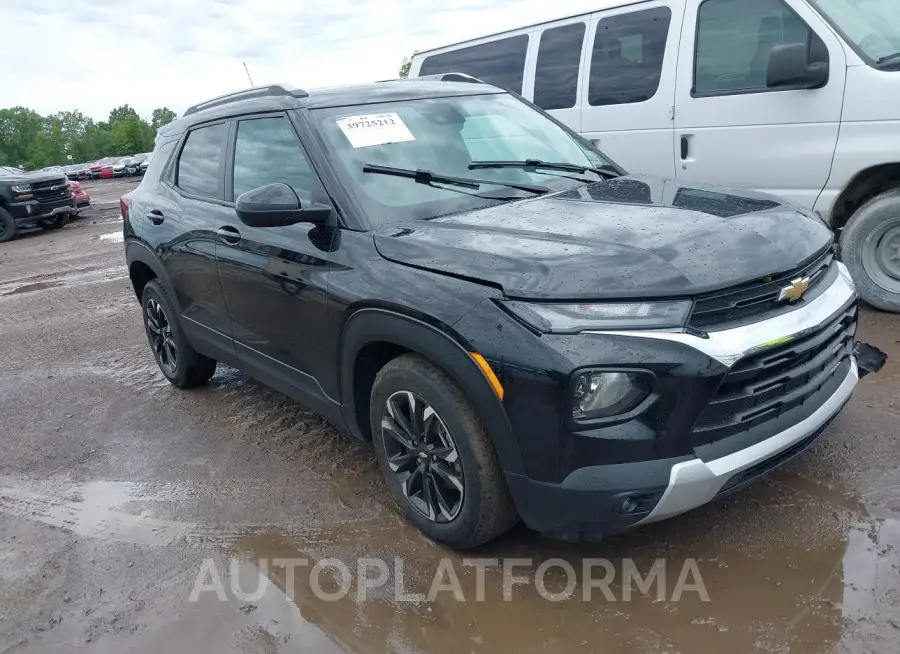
x,y
31,141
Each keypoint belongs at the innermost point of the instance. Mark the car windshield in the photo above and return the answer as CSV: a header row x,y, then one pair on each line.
x,y
873,26
444,136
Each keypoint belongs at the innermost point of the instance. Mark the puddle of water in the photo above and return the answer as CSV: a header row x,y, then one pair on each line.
x,y
39,286
115,237
807,576
123,512
55,280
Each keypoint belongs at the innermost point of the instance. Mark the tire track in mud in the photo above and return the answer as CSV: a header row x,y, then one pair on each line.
x,y
239,405
122,512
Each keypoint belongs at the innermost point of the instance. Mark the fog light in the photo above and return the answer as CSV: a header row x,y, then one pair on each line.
x,y
597,394
628,505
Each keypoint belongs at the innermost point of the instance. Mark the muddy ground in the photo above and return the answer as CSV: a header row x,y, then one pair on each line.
x,y
117,490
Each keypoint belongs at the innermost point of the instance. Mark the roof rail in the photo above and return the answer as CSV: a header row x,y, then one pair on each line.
x,y
440,77
272,90
451,77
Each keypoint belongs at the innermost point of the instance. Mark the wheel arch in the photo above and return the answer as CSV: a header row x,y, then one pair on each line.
x,y
865,185
373,336
143,266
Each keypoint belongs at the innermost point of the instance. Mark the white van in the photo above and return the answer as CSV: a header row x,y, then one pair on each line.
x,y
799,98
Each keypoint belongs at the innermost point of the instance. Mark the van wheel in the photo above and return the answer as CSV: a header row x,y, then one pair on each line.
x,y
183,366
870,248
7,226
432,450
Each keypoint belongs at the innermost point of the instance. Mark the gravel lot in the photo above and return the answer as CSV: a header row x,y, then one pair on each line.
x,y
115,488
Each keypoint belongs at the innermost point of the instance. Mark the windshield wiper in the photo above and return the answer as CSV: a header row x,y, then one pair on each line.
x,y
427,177
888,58
604,173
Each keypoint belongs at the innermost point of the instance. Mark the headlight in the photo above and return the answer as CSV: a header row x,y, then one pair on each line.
x,y
598,394
22,188
574,318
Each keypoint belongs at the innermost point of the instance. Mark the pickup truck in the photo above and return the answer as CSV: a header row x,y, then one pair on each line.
x,y
33,200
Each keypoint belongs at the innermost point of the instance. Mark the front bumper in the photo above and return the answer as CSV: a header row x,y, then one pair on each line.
x,y
696,482
657,462
31,211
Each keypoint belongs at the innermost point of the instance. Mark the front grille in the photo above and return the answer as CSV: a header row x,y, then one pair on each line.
x,y
755,300
50,190
47,195
763,386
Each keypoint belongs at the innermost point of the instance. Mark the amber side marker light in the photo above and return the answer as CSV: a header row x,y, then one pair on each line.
x,y
488,373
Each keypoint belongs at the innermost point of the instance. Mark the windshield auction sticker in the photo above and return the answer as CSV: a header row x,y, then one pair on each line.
x,y
375,129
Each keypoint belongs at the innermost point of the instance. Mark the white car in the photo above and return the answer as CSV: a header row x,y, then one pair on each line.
x,y
798,98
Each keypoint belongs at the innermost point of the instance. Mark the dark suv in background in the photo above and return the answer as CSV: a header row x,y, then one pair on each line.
x,y
521,328
41,199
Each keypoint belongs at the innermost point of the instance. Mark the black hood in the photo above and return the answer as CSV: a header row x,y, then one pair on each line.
x,y
30,178
625,237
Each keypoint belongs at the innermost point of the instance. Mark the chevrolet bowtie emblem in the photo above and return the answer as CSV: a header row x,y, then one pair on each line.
x,y
795,291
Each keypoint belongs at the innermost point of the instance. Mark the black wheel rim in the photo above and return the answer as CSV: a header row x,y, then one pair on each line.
x,y
422,456
159,329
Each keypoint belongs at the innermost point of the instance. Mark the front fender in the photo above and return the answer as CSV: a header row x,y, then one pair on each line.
x,y
445,349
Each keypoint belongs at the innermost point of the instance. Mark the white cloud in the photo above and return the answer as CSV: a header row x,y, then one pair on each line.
x,y
104,53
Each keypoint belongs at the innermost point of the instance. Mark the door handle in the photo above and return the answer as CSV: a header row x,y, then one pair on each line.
x,y
156,217
685,148
229,234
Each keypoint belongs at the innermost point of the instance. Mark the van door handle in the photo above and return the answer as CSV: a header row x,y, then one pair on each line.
x,y
685,148
229,234
156,217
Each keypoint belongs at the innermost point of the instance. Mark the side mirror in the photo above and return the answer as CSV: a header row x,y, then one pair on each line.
x,y
277,205
789,67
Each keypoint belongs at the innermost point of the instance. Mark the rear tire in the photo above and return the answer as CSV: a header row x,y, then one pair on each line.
x,y
7,226
447,424
182,365
870,248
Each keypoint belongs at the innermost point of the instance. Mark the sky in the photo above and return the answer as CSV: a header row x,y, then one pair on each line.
x,y
100,54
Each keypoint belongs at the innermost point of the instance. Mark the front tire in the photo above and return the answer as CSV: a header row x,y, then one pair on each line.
x,y
56,223
437,460
7,226
183,366
870,248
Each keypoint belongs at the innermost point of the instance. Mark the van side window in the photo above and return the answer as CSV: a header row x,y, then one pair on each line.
x,y
559,58
627,59
200,162
497,62
735,39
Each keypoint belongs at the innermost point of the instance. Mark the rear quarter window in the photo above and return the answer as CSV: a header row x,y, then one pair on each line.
x,y
160,158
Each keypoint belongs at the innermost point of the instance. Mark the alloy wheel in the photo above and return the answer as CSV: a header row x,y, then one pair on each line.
x,y
422,456
161,338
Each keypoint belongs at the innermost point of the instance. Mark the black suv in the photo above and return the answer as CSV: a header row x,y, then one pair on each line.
x,y
33,200
522,329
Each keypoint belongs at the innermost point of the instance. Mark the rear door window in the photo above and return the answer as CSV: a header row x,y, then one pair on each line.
x,y
200,169
556,74
501,63
627,57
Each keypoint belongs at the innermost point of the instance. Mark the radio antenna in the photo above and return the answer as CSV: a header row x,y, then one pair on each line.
x,y
247,70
